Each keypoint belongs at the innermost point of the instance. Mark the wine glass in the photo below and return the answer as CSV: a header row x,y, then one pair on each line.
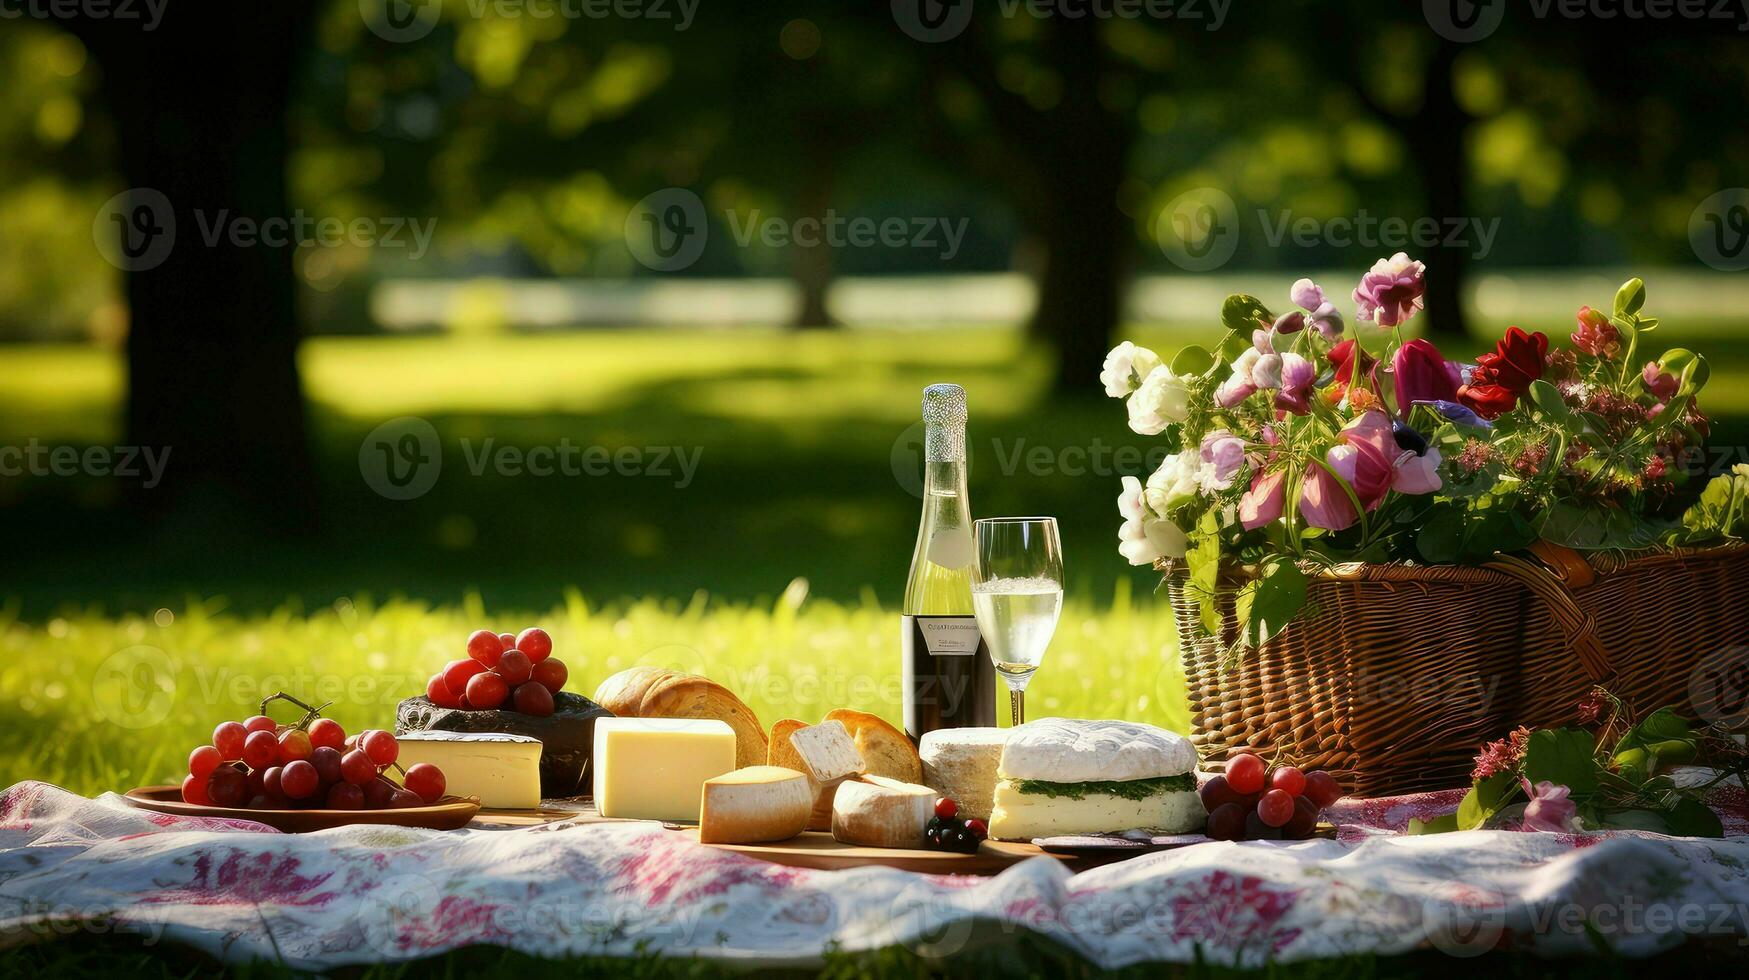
x,y
1017,595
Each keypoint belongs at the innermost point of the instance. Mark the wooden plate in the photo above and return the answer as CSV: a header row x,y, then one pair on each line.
x,y
449,813
816,849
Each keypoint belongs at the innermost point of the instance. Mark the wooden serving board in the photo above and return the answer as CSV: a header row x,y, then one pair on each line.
x,y
816,849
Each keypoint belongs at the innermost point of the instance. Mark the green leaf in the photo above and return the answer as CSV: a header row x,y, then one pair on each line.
x,y
1485,798
1630,297
1204,561
1191,361
1438,825
1650,820
1563,756
1267,605
1661,739
1597,528
1692,818
1548,401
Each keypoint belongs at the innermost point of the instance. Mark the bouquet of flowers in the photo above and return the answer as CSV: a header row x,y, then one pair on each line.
x,y
1612,773
1299,443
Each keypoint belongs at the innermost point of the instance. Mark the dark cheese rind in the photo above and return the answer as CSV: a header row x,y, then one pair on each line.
x,y
567,735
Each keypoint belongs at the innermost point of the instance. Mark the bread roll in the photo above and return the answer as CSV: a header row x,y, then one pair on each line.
x,y
690,696
885,750
624,691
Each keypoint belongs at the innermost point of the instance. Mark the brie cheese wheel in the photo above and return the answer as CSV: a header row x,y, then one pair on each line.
x,y
502,770
1025,816
655,768
878,812
1072,750
961,763
758,803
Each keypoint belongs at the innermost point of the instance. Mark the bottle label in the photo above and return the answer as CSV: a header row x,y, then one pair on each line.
x,y
951,548
949,636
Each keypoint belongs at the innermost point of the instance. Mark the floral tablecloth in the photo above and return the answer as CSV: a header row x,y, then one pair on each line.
x,y
71,865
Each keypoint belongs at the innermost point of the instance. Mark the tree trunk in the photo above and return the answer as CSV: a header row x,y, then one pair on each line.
x,y
811,266
200,107
1438,145
1080,287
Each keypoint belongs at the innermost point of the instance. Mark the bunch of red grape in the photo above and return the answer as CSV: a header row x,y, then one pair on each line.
x,y
1253,802
502,670
263,765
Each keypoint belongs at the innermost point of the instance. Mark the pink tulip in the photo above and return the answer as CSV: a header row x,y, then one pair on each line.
x,y
1323,501
1549,808
1408,472
1263,503
1659,382
1423,374
1297,377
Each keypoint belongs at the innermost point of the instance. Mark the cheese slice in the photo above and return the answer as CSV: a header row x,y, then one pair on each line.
x,y
828,756
875,811
655,768
758,803
960,764
503,770
1025,816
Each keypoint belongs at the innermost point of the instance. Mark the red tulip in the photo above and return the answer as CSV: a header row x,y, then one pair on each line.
x,y
1504,375
1423,374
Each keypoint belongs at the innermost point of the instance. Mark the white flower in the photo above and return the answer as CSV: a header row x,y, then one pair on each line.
x,y
1177,480
1125,367
1144,538
1162,399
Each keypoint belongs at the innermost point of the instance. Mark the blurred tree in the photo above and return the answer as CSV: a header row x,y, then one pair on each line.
x,y
198,106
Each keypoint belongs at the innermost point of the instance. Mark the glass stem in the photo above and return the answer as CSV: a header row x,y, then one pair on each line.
x,y
1017,707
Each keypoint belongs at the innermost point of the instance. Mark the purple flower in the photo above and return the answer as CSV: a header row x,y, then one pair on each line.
x,y
1297,377
1549,808
1223,452
1390,293
1454,412
1320,313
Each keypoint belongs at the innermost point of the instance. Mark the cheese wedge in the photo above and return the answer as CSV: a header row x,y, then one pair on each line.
x,y
758,803
655,768
827,755
878,812
502,770
960,764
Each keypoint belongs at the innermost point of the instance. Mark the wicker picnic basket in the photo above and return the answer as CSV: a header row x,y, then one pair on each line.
x,y
1396,674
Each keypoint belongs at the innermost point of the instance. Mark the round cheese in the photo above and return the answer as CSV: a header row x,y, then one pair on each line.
x,y
1073,750
878,812
961,763
758,803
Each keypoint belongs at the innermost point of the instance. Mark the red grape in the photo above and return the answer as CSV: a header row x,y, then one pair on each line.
x,y
260,749
227,786
485,647
380,746
1304,822
228,739
946,809
194,790
1245,773
1322,788
299,780
270,782
260,723
327,731
1216,792
1227,822
202,761
403,798
1289,780
551,674
535,642
1256,829
356,767
456,673
439,692
426,780
977,828
514,667
294,744
326,759
1276,808
377,793
257,781
486,691
345,796
260,801
508,639
532,699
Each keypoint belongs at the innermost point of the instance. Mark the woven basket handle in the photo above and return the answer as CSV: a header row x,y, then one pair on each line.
x,y
1580,629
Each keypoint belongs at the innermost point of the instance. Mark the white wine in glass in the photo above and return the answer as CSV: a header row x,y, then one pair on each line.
x,y
1017,595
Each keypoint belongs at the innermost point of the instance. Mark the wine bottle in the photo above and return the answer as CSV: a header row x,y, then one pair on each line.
x,y
949,680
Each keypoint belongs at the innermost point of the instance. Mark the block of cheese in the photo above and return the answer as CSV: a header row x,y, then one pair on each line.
x,y
1020,815
758,803
503,770
655,768
875,811
960,763
824,752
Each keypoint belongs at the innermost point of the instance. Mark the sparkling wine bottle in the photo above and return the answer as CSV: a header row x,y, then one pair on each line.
x,y
949,679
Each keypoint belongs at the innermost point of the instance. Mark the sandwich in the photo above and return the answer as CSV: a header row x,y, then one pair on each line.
x,y
1063,776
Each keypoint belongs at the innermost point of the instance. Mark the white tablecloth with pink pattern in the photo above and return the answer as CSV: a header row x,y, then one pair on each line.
x,y
71,866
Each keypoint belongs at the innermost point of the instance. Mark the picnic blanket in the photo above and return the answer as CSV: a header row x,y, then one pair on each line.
x,y
238,890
